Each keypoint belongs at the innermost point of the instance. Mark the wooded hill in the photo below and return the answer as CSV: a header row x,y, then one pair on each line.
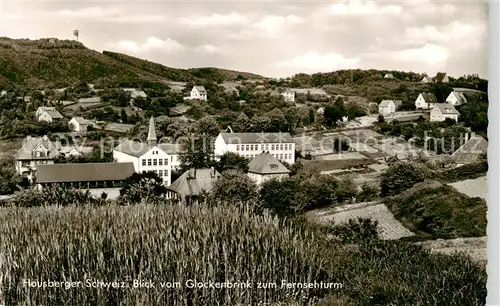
x,y
58,63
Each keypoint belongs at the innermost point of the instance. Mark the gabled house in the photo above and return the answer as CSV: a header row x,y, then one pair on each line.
x,y
47,114
198,93
442,111
265,167
388,76
427,80
192,185
35,151
441,77
289,95
78,124
425,100
386,107
456,98
471,150
135,93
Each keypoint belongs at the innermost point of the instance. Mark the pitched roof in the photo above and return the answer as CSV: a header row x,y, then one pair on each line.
x,y
31,143
200,89
170,148
471,150
265,163
440,76
429,97
428,79
137,148
459,96
385,103
54,114
446,108
45,108
80,120
83,172
388,75
133,148
235,138
194,182
90,100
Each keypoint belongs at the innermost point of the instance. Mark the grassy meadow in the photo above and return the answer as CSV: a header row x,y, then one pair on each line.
x,y
177,243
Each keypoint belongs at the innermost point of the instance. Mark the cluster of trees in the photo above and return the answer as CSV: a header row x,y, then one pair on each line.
x,y
442,137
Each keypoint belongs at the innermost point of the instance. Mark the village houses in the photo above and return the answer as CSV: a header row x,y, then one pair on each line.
x,y
249,145
150,156
425,100
47,114
456,98
427,79
78,124
442,111
265,167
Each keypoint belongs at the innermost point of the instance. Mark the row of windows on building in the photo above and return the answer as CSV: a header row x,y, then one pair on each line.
x,y
155,162
286,156
264,147
160,173
27,163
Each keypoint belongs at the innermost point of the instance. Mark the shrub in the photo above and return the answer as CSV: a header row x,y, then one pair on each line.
x,y
401,176
439,212
54,195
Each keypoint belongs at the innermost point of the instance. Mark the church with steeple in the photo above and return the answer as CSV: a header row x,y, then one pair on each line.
x,y
149,156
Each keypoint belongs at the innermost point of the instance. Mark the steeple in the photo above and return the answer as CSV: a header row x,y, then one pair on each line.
x,y
151,132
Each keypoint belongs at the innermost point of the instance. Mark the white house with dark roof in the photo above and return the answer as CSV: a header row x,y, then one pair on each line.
x,y
456,98
265,167
47,114
249,145
98,178
442,111
198,93
190,187
425,100
150,156
78,124
386,107
35,151
289,95
427,79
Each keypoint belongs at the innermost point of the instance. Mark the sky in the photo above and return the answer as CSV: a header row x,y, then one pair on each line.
x,y
271,38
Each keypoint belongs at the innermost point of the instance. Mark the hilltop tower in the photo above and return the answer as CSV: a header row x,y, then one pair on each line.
x,y
152,132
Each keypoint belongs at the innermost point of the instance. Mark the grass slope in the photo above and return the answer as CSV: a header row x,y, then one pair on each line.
x,y
431,209
38,63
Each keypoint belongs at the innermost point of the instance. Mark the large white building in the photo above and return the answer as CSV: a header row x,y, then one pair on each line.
x,y
150,156
249,145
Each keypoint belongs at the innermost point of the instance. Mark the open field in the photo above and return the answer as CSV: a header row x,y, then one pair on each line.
x,y
475,248
473,188
389,227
